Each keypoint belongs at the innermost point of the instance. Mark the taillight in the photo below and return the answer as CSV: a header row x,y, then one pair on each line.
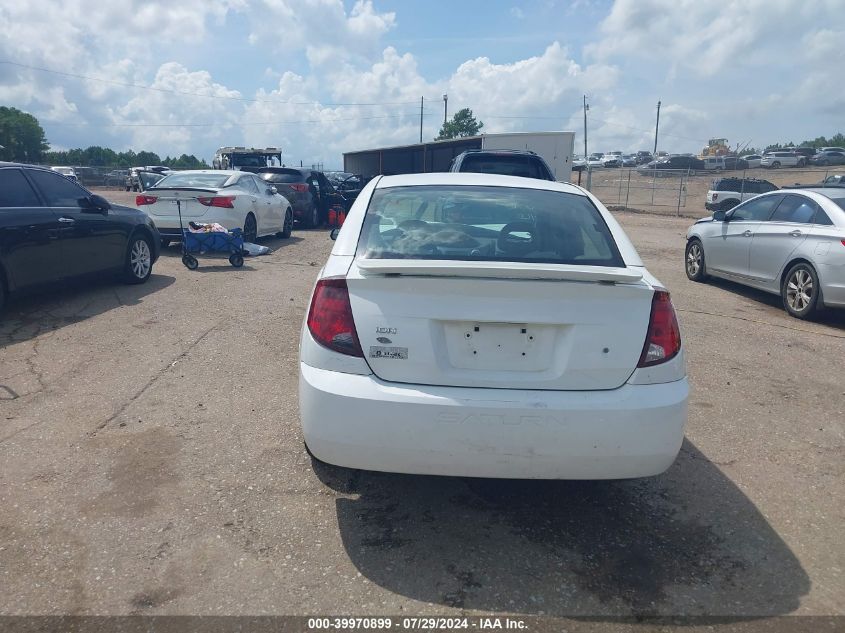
x,y
140,201
663,341
299,187
330,318
225,202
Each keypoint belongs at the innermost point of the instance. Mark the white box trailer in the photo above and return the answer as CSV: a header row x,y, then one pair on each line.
x,y
555,148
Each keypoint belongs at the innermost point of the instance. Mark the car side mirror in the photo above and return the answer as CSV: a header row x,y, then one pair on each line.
x,y
272,191
94,204
333,235
720,216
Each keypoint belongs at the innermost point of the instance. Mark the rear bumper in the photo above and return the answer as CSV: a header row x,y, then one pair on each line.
x,y
832,279
168,225
359,421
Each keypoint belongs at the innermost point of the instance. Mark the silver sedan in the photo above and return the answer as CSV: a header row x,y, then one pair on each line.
x,y
789,242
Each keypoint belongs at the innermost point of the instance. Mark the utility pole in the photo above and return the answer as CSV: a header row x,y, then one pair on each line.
x,y
445,104
589,182
656,127
421,115
586,107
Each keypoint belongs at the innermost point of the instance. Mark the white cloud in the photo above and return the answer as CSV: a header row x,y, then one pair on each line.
x,y
165,109
706,37
722,69
548,83
322,28
517,13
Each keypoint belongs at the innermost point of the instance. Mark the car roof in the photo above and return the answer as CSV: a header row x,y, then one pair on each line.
x,y
524,152
721,178
221,172
282,170
470,178
11,164
827,190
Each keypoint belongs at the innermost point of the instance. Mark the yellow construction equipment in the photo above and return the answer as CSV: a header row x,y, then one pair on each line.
x,y
717,147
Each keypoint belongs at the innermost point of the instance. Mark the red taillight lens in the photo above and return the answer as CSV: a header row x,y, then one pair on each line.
x,y
140,201
299,187
330,318
225,202
663,341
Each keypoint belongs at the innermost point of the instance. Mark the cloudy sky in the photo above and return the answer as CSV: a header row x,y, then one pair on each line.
x,y
320,77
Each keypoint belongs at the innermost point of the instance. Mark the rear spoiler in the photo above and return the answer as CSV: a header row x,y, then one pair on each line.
x,y
495,270
199,189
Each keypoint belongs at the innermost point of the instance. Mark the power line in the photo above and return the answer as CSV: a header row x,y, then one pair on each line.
x,y
236,123
194,94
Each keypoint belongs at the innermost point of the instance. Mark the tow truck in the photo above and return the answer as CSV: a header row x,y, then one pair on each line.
x,y
247,158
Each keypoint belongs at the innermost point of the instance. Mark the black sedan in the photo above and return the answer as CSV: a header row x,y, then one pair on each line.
x,y
52,229
673,164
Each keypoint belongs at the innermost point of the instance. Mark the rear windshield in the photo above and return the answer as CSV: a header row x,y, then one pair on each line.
x,y
478,223
505,165
248,160
290,175
175,181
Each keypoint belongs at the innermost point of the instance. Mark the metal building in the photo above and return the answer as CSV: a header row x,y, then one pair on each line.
x,y
554,147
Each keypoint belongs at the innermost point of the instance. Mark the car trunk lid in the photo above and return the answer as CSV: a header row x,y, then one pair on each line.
x,y
491,324
169,201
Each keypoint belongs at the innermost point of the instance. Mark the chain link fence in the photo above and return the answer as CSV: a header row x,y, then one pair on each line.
x,y
682,192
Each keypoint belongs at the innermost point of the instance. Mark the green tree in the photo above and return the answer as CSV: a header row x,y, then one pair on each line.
x,y
148,158
185,161
21,136
462,124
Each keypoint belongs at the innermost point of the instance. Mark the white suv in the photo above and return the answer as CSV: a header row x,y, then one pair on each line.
x,y
782,159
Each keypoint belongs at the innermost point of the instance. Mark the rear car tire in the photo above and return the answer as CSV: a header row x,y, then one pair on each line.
x,y
250,229
139,259
694,263
801,291
288,226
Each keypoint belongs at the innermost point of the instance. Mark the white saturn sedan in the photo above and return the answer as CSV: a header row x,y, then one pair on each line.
x,y
234,199
490,326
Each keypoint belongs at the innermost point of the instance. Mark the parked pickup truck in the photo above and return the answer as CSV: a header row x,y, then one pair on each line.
x,y
726,193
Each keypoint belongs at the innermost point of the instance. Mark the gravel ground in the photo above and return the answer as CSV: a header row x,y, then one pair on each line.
x,y
151,462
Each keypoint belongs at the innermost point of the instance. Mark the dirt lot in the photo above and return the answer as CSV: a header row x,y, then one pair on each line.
x,y
618,187
151,462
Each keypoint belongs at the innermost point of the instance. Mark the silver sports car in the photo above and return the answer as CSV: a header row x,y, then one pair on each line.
x,y
789,242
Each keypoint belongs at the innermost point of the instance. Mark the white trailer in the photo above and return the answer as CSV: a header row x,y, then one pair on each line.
x,y
556,148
